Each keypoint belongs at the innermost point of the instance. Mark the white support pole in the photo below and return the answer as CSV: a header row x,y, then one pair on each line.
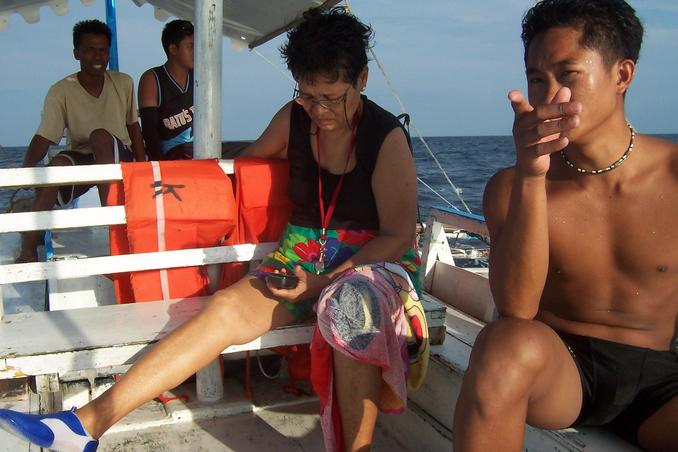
x,y
209,17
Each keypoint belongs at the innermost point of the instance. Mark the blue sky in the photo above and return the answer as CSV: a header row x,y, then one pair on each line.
x,y
451,61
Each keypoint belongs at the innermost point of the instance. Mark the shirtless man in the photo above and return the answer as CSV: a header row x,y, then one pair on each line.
x,y
583,265
98,109
166,97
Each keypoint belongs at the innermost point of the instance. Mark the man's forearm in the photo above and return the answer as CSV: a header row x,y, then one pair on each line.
x,y
137,142
519,257
36,151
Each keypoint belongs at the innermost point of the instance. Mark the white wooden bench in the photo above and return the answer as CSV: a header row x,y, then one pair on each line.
x,y
470,306
47,345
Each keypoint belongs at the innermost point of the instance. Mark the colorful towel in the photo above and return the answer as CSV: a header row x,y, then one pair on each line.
x,y
371,313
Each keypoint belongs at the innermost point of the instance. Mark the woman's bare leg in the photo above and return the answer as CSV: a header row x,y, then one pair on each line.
x,y
358,387
236,315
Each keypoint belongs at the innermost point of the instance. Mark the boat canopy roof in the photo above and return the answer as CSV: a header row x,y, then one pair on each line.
x,y
248,23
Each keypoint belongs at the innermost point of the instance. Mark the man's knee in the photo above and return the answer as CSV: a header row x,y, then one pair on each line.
x,y
60,160
100,137
101,143
507,356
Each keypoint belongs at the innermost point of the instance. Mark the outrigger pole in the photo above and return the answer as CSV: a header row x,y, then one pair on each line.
x,y
113,64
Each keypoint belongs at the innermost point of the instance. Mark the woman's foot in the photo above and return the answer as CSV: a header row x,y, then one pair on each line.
x,y
61,431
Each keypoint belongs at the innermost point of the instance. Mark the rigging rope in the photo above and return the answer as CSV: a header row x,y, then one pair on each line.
x,y
436,193
413,124
275,66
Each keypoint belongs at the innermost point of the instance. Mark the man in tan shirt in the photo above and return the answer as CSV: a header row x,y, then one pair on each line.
x,y
97,108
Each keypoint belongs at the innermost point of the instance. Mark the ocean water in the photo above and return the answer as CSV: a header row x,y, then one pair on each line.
x,y
468,161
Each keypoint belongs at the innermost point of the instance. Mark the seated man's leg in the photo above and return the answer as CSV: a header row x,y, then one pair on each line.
x,y
660,431
520,371
45,198
235,315
107,149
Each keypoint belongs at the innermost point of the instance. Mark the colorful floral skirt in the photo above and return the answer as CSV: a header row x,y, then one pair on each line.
x,y
298,245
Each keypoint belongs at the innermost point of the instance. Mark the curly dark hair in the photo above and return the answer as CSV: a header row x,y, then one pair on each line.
x,y
92,26
609,26
174,32
332,43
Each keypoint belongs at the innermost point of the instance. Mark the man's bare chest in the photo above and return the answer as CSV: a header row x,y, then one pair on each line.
x,y
631,231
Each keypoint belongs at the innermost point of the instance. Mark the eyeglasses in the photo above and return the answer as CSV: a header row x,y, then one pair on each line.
x,y
327,104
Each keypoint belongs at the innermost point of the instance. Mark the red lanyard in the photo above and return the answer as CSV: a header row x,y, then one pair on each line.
x,y
326,216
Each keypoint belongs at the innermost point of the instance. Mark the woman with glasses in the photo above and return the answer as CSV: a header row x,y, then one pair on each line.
x,y
348,250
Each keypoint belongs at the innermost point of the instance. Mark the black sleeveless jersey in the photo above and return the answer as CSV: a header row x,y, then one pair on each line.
x,y
175,109
356,207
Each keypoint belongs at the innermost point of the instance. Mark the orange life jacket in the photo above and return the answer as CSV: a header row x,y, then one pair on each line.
x,y
170,205
263,207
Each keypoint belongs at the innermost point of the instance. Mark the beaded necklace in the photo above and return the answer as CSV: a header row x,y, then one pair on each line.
x,y
614,165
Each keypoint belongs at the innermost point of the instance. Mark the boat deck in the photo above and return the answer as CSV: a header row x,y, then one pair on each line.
x,y
274,420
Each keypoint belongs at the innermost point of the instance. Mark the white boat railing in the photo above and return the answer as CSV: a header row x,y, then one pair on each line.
x,y
69,175
94,336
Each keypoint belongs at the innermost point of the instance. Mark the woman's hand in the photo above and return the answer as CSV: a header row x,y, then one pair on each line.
x,y
309,286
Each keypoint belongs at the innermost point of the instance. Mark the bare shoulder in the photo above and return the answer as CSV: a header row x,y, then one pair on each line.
x,y
395,147
148,90
663,155
147,77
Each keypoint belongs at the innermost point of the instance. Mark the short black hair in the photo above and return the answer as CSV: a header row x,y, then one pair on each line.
x,y
174,32
609,26
333,43
91,26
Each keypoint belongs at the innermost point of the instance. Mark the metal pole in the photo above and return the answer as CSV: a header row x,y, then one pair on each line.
x,y
209,16
112,24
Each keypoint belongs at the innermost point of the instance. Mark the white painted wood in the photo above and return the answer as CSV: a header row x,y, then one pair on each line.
x,y
105,336
58,175
68,175
62,219
436,248
464,290
76,268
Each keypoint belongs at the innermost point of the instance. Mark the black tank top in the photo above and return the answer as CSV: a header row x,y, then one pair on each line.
x,y
175,109
356,207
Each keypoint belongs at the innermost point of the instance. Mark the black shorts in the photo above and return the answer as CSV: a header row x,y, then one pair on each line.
x,y
623,385
68,193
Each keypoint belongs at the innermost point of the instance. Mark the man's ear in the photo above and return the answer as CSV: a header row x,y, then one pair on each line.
x,y
626,71
172,49
75,55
